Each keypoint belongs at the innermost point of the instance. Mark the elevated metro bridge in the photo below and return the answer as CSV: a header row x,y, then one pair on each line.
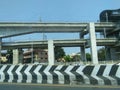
x,y
109,29
8,29
61,43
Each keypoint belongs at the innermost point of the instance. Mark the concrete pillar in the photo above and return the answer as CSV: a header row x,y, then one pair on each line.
x,y
93,43
17,56
113,53
83,56
50,52
20,56
107,53
0,48
82,49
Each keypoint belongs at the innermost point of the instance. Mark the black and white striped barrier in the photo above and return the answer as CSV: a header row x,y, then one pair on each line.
x,y
87,74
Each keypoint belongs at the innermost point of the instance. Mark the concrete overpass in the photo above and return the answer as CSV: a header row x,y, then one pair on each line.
x,y
61,43
8,29
15,28
16,46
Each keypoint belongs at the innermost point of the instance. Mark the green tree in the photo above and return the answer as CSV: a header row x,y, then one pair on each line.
x,y
67,58
59,53
9,56
101,54
88,56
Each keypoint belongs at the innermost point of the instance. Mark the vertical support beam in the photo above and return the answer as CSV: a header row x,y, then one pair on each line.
x,y
50,52
17,56
93,43
107,53
0,49
114,56
83,55
20,56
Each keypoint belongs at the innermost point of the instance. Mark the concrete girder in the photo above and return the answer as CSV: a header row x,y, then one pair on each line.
x,y
14,29
62,43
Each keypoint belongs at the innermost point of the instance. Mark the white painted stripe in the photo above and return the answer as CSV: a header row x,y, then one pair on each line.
x,y
106,74
39,76
71,75
27,72
94,75
60,75
118,72
2,73
10,73
80,71
49,76
20,76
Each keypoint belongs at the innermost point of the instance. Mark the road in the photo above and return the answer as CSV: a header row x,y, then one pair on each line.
x,y
15,86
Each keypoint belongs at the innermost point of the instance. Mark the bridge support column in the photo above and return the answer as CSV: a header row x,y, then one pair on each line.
x,y
107,51
111,54
17,56
82,49
93,43
50,52
83,56
114,56
0,48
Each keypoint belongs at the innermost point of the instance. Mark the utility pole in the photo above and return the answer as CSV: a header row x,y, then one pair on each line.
x,y
44,37
32,53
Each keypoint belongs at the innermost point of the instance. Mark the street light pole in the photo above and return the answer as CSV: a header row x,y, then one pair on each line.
x,y
32,52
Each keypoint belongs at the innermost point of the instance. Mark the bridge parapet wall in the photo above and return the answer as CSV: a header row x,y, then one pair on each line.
x,y
61,74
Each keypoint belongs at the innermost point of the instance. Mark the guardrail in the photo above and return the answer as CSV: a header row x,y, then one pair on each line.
x,y
61,74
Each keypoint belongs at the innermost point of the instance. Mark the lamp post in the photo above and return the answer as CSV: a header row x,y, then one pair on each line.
x,y
32,53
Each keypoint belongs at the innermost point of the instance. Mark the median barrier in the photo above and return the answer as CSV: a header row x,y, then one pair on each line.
x,y
61,74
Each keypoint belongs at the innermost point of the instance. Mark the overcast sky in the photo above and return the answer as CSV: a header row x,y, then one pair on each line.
x,y
53,11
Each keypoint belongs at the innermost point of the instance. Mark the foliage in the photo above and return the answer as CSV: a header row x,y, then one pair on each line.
x,y
67,58
9,56
101,54
59,53
88,56
9,51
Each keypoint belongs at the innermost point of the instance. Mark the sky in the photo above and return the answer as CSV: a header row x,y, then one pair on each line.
x,y
53,11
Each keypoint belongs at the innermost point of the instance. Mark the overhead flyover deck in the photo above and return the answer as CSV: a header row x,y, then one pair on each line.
x,y
9,29
16,28
61,43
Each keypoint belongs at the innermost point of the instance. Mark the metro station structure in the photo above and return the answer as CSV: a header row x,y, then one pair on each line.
x,y
109,29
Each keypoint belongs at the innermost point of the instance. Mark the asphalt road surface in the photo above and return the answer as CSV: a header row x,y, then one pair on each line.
x,y
15,86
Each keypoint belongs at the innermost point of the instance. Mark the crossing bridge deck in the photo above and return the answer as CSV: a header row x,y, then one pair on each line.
x,y
62,43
